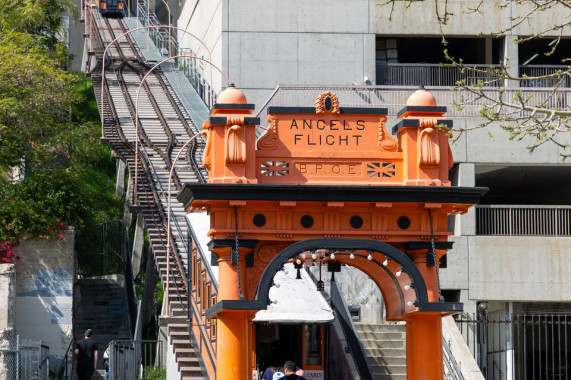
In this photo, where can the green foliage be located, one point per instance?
(69, 174)
(86, 110)
(49, 127)
(40, 207)
(154, 373)
(97, 183)
(97, 169)
(35, 102)
(36, 17)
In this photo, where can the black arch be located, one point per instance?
(386, 249)
(266, 281)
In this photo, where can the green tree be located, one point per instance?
(36, 17)
(48, 127)
(36, 97)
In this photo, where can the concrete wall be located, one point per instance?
(521, 268)
(359, 290)
(44, 287)
(260, 44)
(171, 365)
(420, 18)
(7, 297)
(76, 43)
(208, 22)
(480, 147)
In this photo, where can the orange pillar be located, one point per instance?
(424, 330)
(428, 272)
(232, 345)
(424, 347)
(232, 341)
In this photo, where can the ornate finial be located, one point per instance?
(421, 97)
(327, 102)
(231, 95)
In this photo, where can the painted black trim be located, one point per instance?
(228, 305)
(353, 244)
(250, 243)
(342, 110)
(215, 243)
(444, 307)
(233, 106)
(391, 252)
(222, 120)
(438, 109)
(307, 193)
(428, 245)
(214, 259)
(415, 123)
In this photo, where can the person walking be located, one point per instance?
(87, 354)
(106, 362)
(269, 372)
(290, 371)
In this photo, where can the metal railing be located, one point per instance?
(350, 332)
(24, 360)
(427, 74)
(159, 36)
(451, 368)
(189, 66)
(103, 249)
(394, 98)
(520, 346)
(541, 70)
(416, 74)
(136, 359)
(508, 220)
(192, 70)
(64, 371)
(203, 293)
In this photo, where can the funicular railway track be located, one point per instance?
(164, 126)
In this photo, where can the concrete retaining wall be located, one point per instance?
(44, 292)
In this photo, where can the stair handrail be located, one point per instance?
(205, 335)
(153, 182)
(61, 373)
(154, 35)
(125, 269)
(349, 330)
(160, 191)
(450, 362)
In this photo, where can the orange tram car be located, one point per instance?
(112, 8)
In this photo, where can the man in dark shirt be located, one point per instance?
(86, 353)
(290, 371)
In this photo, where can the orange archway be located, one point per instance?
(331, 179)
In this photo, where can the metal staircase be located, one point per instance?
(164, 126)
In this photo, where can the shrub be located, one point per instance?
(40, 207)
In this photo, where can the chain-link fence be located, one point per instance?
(24, 360)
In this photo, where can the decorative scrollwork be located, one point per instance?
(327, 102)
(270, 139)
(386, 142)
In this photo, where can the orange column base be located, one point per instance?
(424, 347)
(232, 345)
